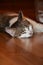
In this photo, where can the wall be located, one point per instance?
(27, 6)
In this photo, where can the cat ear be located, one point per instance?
(20, 16)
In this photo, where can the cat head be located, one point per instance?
(21, 26)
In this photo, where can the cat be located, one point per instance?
(19, 27)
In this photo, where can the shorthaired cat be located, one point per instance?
(19, 26)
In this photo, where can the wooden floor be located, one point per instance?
(21, 51)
